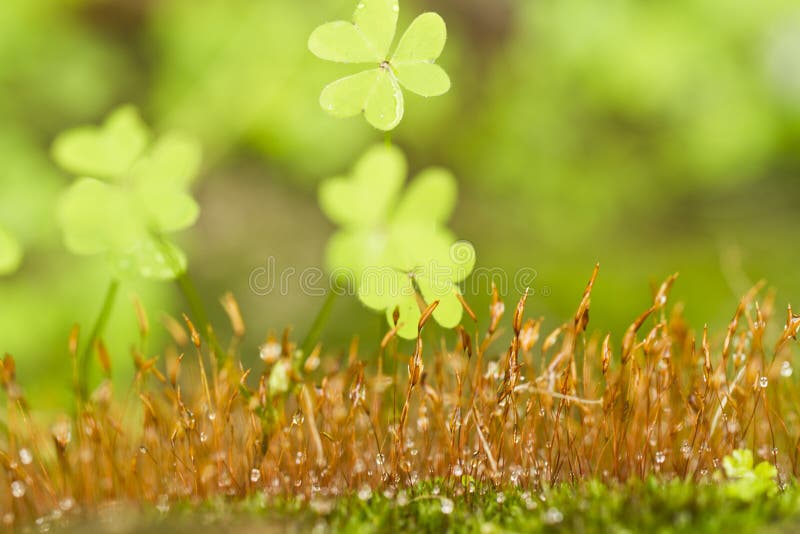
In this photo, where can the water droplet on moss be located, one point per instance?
(18, 489)
(447, 506)
(365, 493)
(25, 456)
(553, 516)
(255, 475)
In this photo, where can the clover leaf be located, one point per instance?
(394, 247)
(747, 483)
(10, 252)
(377, 92)
(106, 152)
(129, 194)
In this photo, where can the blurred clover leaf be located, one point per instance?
(394, 247)
(376, 92)
(748, 483)
(10, 252)
(128, 195)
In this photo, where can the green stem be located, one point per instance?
(198, 312)
(97, 331)
(388, 139)
(196, 307)
(319, 323)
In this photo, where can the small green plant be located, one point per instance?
(747, 483)
(393, 244)
(10, 252)
(367, 40)
(129, 194)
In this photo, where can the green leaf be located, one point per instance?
(414, 244)
(413, 60)
(107, 152)
(425, 79)
(161, 180)
(430, 197)
(377, 21)
(367, 196)
(174, 160)
(149, 257)
(365, 40)
(423, 41)
(96, 217)
(349, 252)
(381, 286)
(409, 315)
(166, 209)
(746, 483)
(459, 261)
(10, 253)
(342, 42)
(375, 92)
(385, 106)
(384, 245)
(765, 471)
(738, 463)
(347, 97)
(438, 287)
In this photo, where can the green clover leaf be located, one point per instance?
(106, 152)
(745, 482)
(395, 248)
(10, 252)
(377, 92)
(128, 196)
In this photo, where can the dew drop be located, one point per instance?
(447, 506)
(18, 489)
(25, 456)
(553, 516)
(501, 498)
(402, 498)
(203, 437)
(163, 504)
(255, 475)
(270, 352)
(763, 381)
(365, 493)
(380, 459)
(458, 470)
(786, 369)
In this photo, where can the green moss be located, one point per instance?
(637, 506)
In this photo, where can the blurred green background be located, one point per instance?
(652, 137)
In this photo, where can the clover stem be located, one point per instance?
(319, 323)
(388, 139)
(97, 331)
(198, 311)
